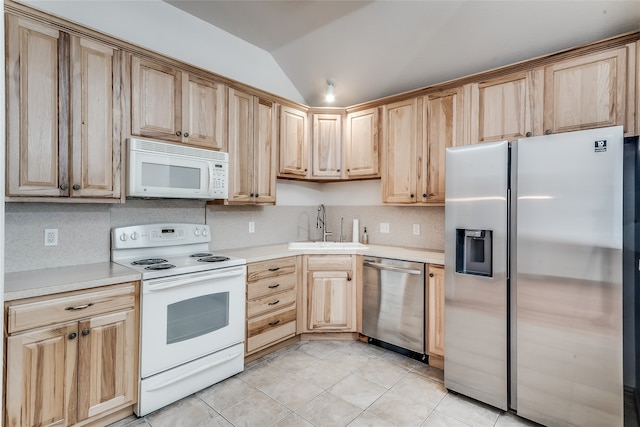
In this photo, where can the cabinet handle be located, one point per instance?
(274, 269)
(86, 332)
(528, 134)
(76, 187)
(178, 133)
(63, 187)
(547, 132)
(430, 274)
(79, 307)
(348, 277)
(274, 323)
(72, 336)
(186, 134)
(274, 303)
(274, 286)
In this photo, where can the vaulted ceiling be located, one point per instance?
(378, 48)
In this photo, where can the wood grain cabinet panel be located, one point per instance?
(362, 154)
(173, 105)
(63, 121)
(253, 128)
(435, 314)
(294, 160)
(327, 146)
(76, 370)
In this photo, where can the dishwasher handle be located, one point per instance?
(389, 267)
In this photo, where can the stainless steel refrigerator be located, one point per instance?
(533, 276)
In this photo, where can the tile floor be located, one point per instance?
(329, 383)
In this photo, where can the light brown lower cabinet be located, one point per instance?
(435, 315)
(76, 367)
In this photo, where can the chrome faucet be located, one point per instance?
(321, 222)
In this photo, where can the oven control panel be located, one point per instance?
(154, 235)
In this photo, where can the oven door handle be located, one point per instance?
(193, 372)
(177, 282)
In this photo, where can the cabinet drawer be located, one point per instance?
(270, 303)
(272, 268)
(68, 308)
(266, 330)
(329, 262)
(270, 285)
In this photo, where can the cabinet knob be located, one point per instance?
(186, 134)
(547, 132)
(178, 133)
(424, 195)
(305, 169)
(63, 187)
(86, 332)
(337, 170)
(348, 170)
(412, 196)
(430, 274)
(72, 336)
(76, 187)
(528, 134)
(252, 195)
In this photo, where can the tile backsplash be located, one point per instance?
(84, 229)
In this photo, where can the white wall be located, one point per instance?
(158, 26)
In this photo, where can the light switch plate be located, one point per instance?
(416, 229)
(384, 227)
(252, 227)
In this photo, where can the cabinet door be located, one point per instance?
(265, 151)
(41, 381)
(586, 92)
(241, 153)
(330, 300)
(204, 113)
(107, 363)
(501, 108)
(327, 146)
(400, 152)
(95, 157)
(361, 145)
(36, 144)
(293, 142)
(443, 129)
(435, 312)
(156, 100)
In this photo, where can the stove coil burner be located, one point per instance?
(159, 267)
(200, 255)
(149, 261)
(214, 259)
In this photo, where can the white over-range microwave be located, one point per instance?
(160, 170)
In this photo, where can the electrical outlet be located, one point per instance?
(384, 227)
(416, 229)
(252, 227)
(51, 237)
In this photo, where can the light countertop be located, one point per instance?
(47, 281)
(263, 253)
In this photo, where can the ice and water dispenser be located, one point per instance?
(474, 251)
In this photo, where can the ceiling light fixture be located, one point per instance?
(330, 97)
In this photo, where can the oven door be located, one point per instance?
(188, 316)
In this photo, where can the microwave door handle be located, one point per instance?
(174, 283)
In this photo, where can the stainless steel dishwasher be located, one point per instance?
(393, 302)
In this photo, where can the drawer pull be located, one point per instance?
(86, 332)
(79, 307)
(274, 323)
(274, 286)
(274, 269)
(72, 336)
(274, 303)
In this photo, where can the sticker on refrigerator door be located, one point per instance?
(600, 146)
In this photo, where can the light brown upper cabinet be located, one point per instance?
(294, 159)
(362, 155)
(326, 146)
(253, 130)
(173, 105)
(589, 91)
(443, 128)
(503, 108)
(401, 154)
(63, 114)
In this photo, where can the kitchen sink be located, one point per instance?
(327, 245)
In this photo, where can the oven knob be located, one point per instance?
(123, 237)
(204, 232)
(196, 232)
(134, 235)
